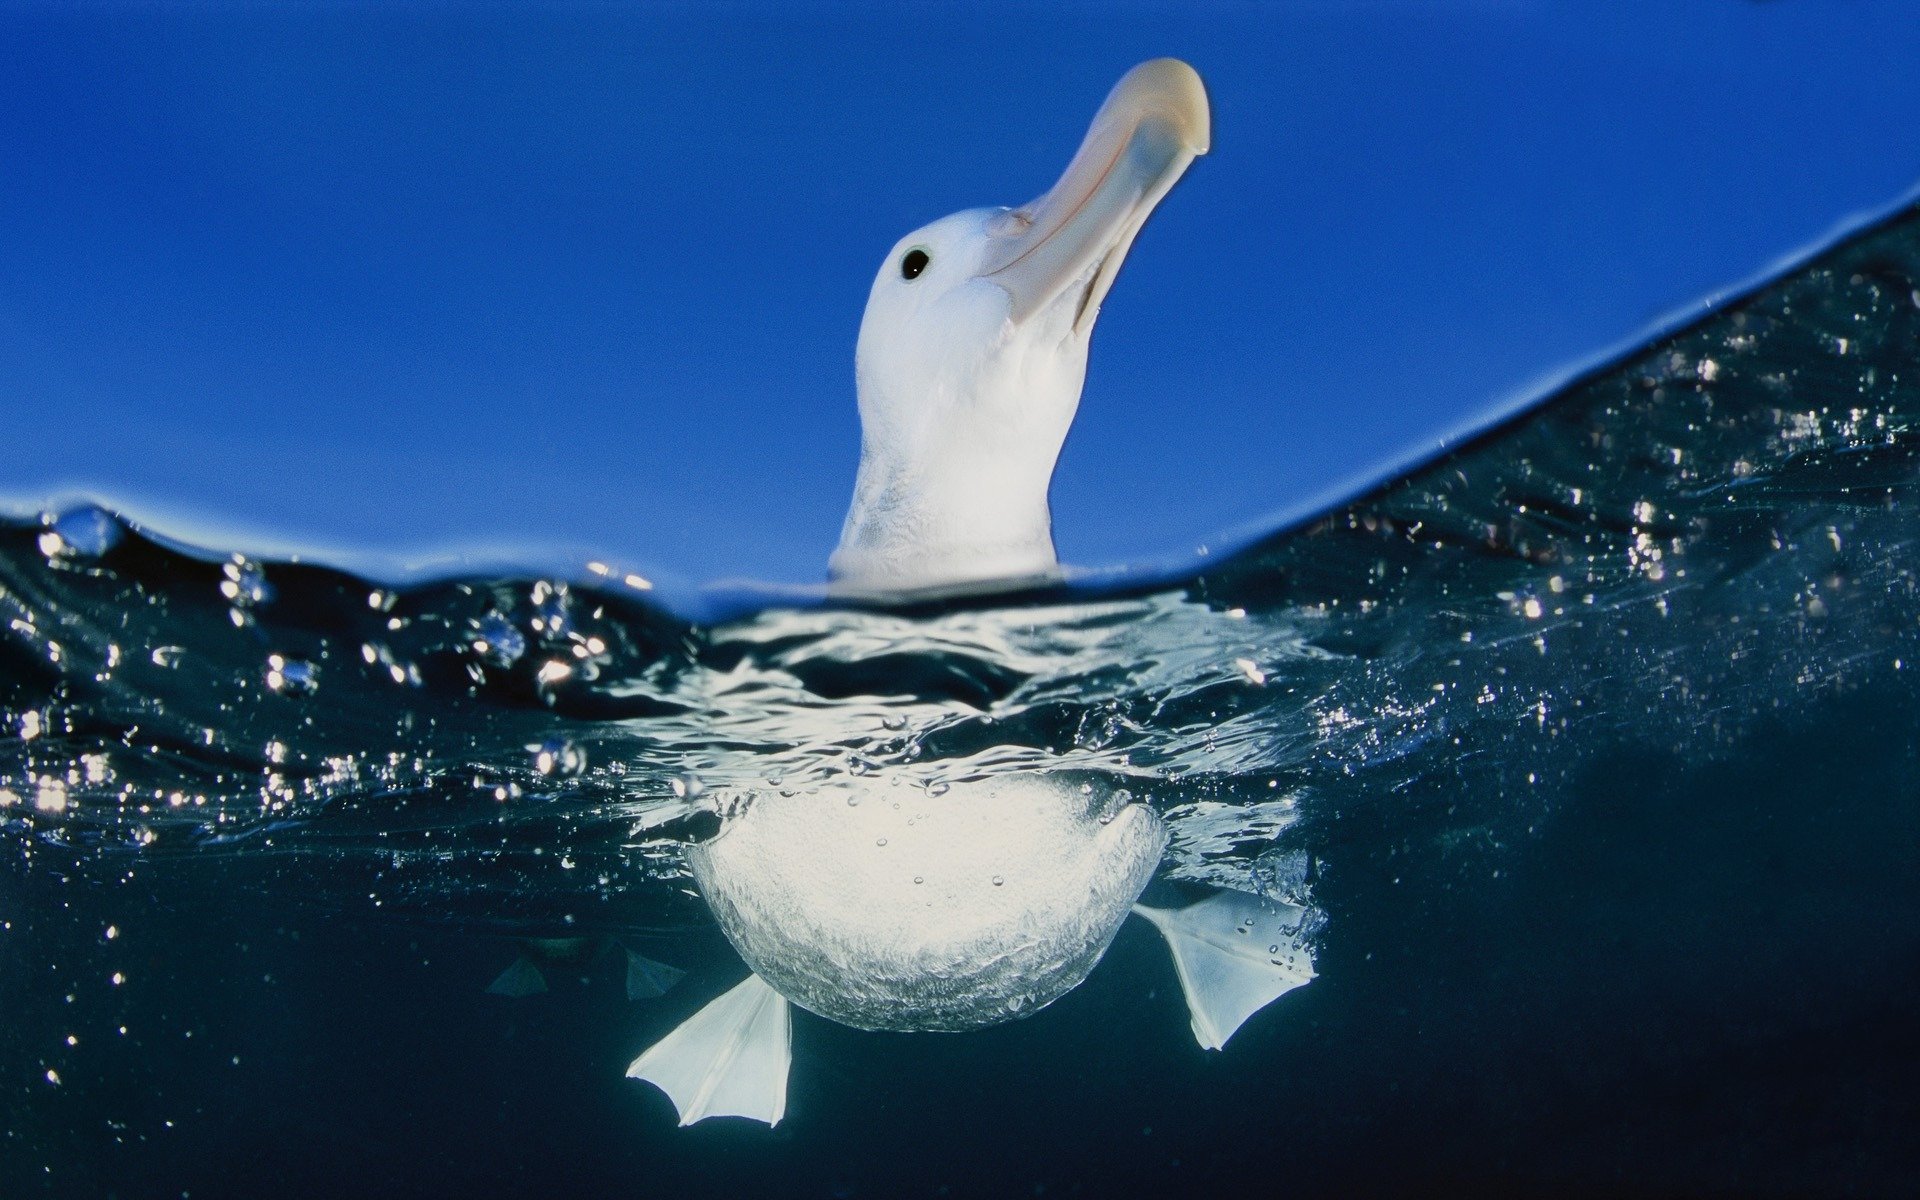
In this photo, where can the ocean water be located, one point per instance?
(1592, 745)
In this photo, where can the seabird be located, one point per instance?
(894, 908)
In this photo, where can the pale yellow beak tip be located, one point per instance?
(1170, 89)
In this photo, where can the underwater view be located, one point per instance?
(1584, 759)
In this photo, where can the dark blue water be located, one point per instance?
(1595, 744)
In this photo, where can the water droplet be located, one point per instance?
(880, 841)
(853, 802)
(245, 585)
(1097, 730)
(998, 880)
(86, 532)
(919, 879)
(937, 788)
(550, 612)
(496, 640)
(559, 757)
(291, 676)
(858, 766)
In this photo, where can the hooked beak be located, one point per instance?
(1154, 123)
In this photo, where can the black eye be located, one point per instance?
(914, 263)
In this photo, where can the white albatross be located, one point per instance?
(973, 352)
(917, 911)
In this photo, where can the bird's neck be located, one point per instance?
(957, 450)
(947, 515)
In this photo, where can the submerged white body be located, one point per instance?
(885, 907)
(889, 908)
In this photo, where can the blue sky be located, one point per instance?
(412, 281)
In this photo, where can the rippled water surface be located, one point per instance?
(1594, 741)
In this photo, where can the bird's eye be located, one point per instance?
(915, 262)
